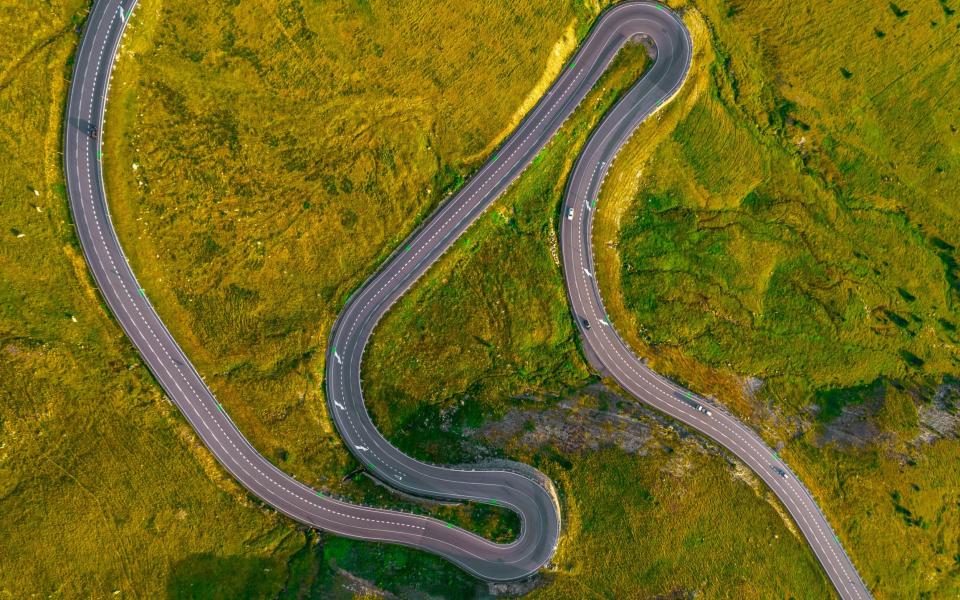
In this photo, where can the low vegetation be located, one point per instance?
(263, 160)
(103, 487)
(250, 264)
(488, 330)
(671, 522)
(790, 248)
(789, 218)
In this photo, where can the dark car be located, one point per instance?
(586, 324)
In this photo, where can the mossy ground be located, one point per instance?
(262, 159)
(249, 221)
(103, 487)
(796, 224)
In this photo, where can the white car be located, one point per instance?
(570, 214)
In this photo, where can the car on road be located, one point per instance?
(570, 214)
(782, 473)
(586, 323)
(706, 411)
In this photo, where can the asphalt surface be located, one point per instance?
(516, 487)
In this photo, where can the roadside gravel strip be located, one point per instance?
(517, 487)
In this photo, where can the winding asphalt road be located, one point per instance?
(608, 353)
(514, 486)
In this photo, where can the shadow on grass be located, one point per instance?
(208, 576)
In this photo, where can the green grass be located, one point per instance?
(243, 218)
(249, 187)
(240, 217)
(899, 513)
(103, 487)
(262, 159)
(489, 329)
(672, 522)
(490, 321)
(798, 224)
(265, 158)
(803, 232)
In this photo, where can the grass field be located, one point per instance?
(802, 228)
(488, 330)
(789, 246)
(103, 488)
(240, 217)
(676, 518)
(489, 323)
(261, 159)
(261, 171)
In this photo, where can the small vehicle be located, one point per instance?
(704, 410)
(783, 474)
(93, 133)
(586, 323)
(570, 214)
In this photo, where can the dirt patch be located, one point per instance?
(939, 418)
(854, 426)
(581, 422)
(592, 418)
(359, 587)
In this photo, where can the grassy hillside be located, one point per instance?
(488, 331)
(789, 246)
(780, 220)
(263, 159)
(258, 171)
(103, 488)
(800, 218)
(671, 522)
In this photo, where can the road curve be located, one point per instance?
(516, 487)
(607, 351)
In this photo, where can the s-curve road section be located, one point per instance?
(516, 487)
(610, 354)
